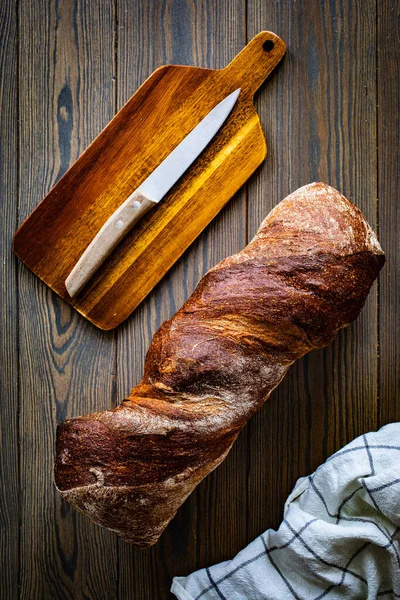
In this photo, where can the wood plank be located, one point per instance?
(319, 114)
(388, 121)
(210, 525)
(66, 366)
(9, 482)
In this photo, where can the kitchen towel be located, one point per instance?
(339, 538)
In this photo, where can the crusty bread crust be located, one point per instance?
(305, 275)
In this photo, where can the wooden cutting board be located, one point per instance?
(169, 104)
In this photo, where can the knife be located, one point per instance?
(148, 194)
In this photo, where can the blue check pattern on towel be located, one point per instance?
(339, 538)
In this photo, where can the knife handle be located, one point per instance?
(112, 232)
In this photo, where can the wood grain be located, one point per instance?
(65, 364)
(53, 238)
(9, 456)
(388, 130)
(319, 115)
(198, 532)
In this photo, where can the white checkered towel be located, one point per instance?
(339, 537)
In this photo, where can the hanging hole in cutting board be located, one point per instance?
(268, 45)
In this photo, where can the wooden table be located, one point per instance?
(330, 112)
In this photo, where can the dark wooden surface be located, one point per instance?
(330, 112)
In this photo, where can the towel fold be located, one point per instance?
(339, 538)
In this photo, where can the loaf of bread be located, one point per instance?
(305, 275)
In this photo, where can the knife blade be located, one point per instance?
(148, 194)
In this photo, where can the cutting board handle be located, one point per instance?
(255, 62)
